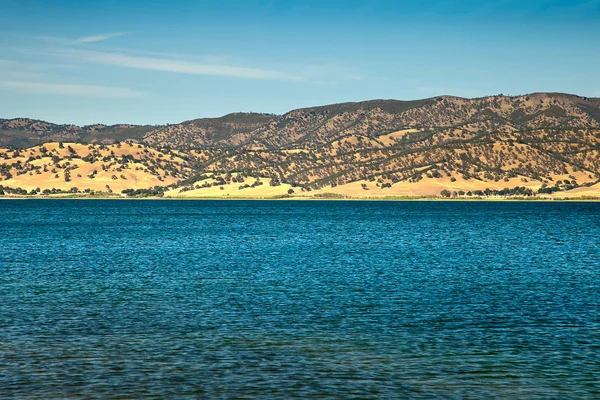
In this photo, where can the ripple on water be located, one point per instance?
(246, 299)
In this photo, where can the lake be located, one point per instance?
(299, 299)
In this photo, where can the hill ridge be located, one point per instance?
(545, 142)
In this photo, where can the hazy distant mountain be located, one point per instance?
(25, 132)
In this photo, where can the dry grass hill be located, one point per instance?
(543, 144)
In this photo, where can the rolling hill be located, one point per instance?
(544, 144)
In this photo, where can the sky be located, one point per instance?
(156, 62)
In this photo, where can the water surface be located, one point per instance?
(283, 299)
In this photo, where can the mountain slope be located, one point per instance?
(25, 132)
(539, 143)
(539, 137)
(209, 131)
(97, 168)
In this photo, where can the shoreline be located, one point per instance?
(423, 198)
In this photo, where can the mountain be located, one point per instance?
(540, 143)
(209, 132)
(25, 132)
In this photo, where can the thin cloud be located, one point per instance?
(69, 89)
(176, 66)
(15, 70)
(98, 38)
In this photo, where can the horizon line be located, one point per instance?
(304, 108)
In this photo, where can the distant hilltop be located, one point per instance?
(536, 144)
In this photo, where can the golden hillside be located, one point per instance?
(539, 144)
(90, 168)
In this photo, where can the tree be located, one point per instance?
(445, 193)
(290, 191)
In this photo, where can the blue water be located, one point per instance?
(284, 299)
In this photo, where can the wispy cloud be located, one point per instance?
(69, 89)
(82, 40)
(175, 66)
(98, 38)
(14, 70)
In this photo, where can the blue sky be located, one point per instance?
(153, 62)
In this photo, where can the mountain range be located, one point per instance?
(536, 144)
